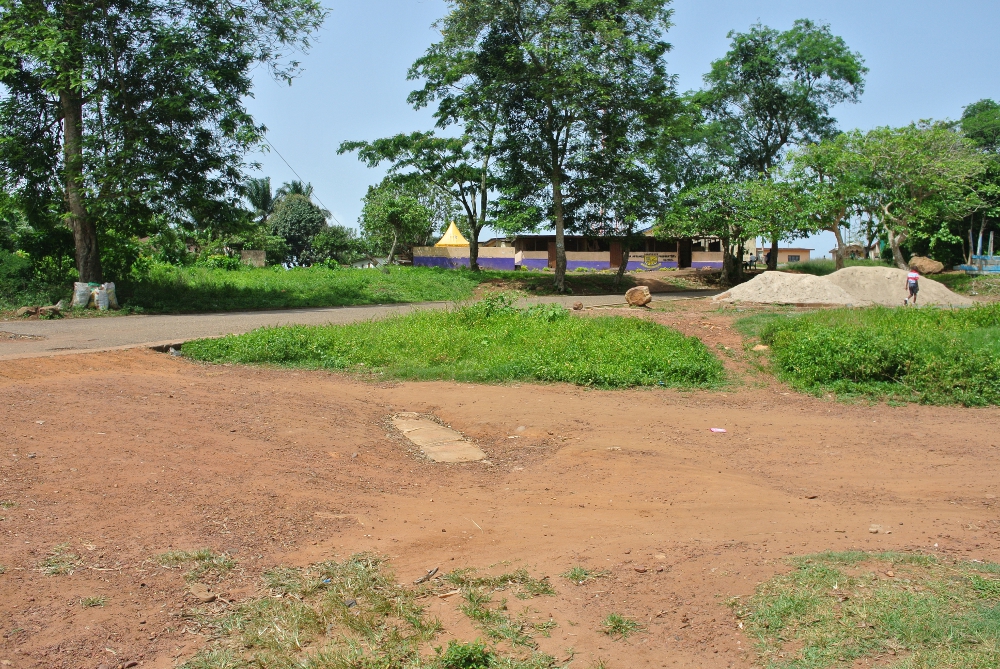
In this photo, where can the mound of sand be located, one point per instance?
(887, 286)
(854, 286)
(782, 288)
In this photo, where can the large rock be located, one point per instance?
(926, 265)
(638, 296)
(26, 311)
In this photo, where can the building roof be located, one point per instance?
(453, 237)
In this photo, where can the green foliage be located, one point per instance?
(466, 656)
(839, 610)
(224, 262)
(92, 602)
(335, 243)
(924, 355)
(395, 217)
(618, 626)
(296, 220)
(484, 343)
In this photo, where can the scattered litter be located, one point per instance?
(426, 577)
(718, 430)
(445, 595)
(351, 603)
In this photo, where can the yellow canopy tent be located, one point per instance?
(453, 237)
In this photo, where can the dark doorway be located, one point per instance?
(616, 255)
(552, 255)
(684, 253)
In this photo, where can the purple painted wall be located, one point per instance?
(455, 263)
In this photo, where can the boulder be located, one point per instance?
(577, 306)
(26, 311)
(926, 265)
(53, 310)
(638, 296)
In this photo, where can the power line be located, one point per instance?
(300, 178)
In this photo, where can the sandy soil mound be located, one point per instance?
(854, 286)
(782, 288)
(887, 286)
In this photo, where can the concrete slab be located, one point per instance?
(437, 442)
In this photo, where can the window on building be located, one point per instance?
(794, 258)
(715, 247)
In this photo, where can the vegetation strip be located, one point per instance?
(932, 356)
(899, 610)
(490, 341)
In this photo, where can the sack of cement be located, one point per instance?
(101, 299)
(81, 295)
(109, 288)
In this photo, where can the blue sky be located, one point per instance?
(927, 60)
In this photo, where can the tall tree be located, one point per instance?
(261, 198)
(554, 66)
(981, 125)
(773, 89)
(297, 220)
(920, 177)
(130, 108)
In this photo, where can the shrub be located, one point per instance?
(220, 261)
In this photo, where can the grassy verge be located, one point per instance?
(893, 610)
(489, 341)
(341, 615)
(823, 266)
(960, 282)
(931, 356)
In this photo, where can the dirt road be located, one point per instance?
(20, 338)
(124, 455)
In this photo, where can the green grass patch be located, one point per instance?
(93, 602)
(341, 615)
(489, 341)
(7, 504)
(824, 266)
(493, 617)
(893, 609)
(932, 356)
(203, 562)
(619, 627)
(61, 561)
(581, 575)
(966, 284)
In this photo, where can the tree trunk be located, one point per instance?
(474, 247)
(623, 265)
(557, 206)
(838, 256)
(772, 262)
(894, 243)
(88, 256)
(392, 250)
(731, 265)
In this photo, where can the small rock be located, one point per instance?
(761, 347)
(811, 496)
(203, 593)
(26, 311)
(890, 574)
(660, 556)
(638, 296)
(577, 306)
(875, 529)
(130, 664)
(640, 569)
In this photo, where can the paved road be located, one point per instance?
(26, 338)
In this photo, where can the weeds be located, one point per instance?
(834, 610)
(7, 504)
(92, 602)
(490, 341)
(618, 626)
(60, 562)
(932, 356)
(205, 563)
(581, 575)
(349, 614)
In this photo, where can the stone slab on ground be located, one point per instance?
(437, 442)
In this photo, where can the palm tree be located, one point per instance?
(258, 194)
(296, 188)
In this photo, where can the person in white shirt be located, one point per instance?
(912, 287)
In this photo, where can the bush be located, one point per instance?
(466, 656)
(224, 262)
(926, 355)
(490, 341)
(297, 220)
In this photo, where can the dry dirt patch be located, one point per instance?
(122, 457)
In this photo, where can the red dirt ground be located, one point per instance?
(126, 455)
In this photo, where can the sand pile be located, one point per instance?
(887, 286)
(854, 286)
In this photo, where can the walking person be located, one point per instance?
(912, 287)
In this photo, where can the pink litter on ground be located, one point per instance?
(718, 429)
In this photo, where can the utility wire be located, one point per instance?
(300, 178)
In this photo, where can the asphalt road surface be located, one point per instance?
(31, 338)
